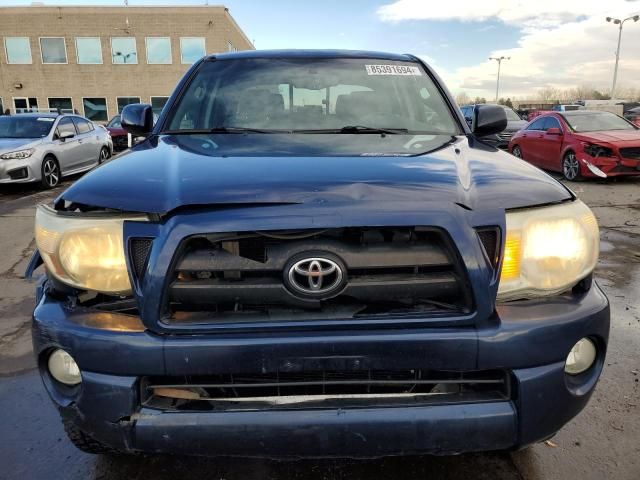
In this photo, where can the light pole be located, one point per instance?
(617, 21)
(499, 60)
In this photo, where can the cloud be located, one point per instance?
(563, 43)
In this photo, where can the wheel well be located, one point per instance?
(567, 152)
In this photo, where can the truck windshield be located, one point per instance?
(25, 127)
(596, 122)
(311, 96)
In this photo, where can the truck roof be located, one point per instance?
(292, 53)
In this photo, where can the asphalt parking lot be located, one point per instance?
(602, 442)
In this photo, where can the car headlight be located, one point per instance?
(548, 250)
(596, 150)
(84, 252)
(18, 154)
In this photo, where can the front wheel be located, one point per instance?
(85, 442)
(516, 152)
(104, 155)
(571, 167)
(50, 174)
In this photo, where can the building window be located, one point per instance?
(123, 50)
(88, 50)
(157, 104)
(124, 101)
(95, 109)
(158, 50)
(192, 49)
(17, 50)
(25, 104)
(53, 50)
(1, 107)
(64, 104)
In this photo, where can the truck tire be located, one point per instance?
(85, 442)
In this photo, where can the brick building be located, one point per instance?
(96, 60)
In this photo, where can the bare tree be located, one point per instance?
(463, 99)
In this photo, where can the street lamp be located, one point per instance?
(499, 60)
(617, 21)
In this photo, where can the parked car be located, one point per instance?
(44, 147)
(580, 143)
(536, 113)
(633, 115)
(567, 108)
(118, 134)
(311, 254)
(499, 140)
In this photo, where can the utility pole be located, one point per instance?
(499, 60)
(619, 22)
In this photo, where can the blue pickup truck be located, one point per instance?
(312, 254)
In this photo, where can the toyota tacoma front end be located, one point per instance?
(312, 255)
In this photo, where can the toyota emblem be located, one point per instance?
(315, 276)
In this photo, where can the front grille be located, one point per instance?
(630, 152)
(371, 271)
(139, 249)
(322, 388)
(505, 136)
(490, 239)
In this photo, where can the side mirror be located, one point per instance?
(554, 131)
(66, 135)
(137, 119)
(488, 120)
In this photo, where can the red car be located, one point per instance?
(580, 143)
(118, 134)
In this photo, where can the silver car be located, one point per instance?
(44, 147)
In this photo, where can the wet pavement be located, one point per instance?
(603, 442)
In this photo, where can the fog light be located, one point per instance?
(581, 357)
(64, 368)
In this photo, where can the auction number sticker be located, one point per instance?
(392, 70)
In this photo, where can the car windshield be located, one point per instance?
(14, 126)
(339, 95)
(511, 115)
(114, 122)
(597, 122)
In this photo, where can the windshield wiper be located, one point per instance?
(356, 129)
(195, 131)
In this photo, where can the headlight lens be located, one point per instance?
(548, 250)
(595, 150)
(86, 253)
(64, 368)
(26, 153)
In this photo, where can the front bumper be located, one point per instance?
(20, 170)
(528, 339)
(608, 166)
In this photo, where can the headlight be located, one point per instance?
(26, 153)
(595, 150)
(548, 250)
(84, 252)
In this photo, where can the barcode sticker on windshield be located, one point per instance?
(392, 70)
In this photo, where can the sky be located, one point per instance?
(551, 43)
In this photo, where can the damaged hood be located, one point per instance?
(165, 173)
(611, 136)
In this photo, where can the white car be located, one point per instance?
(44, 147)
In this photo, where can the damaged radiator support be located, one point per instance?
(322, 389)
